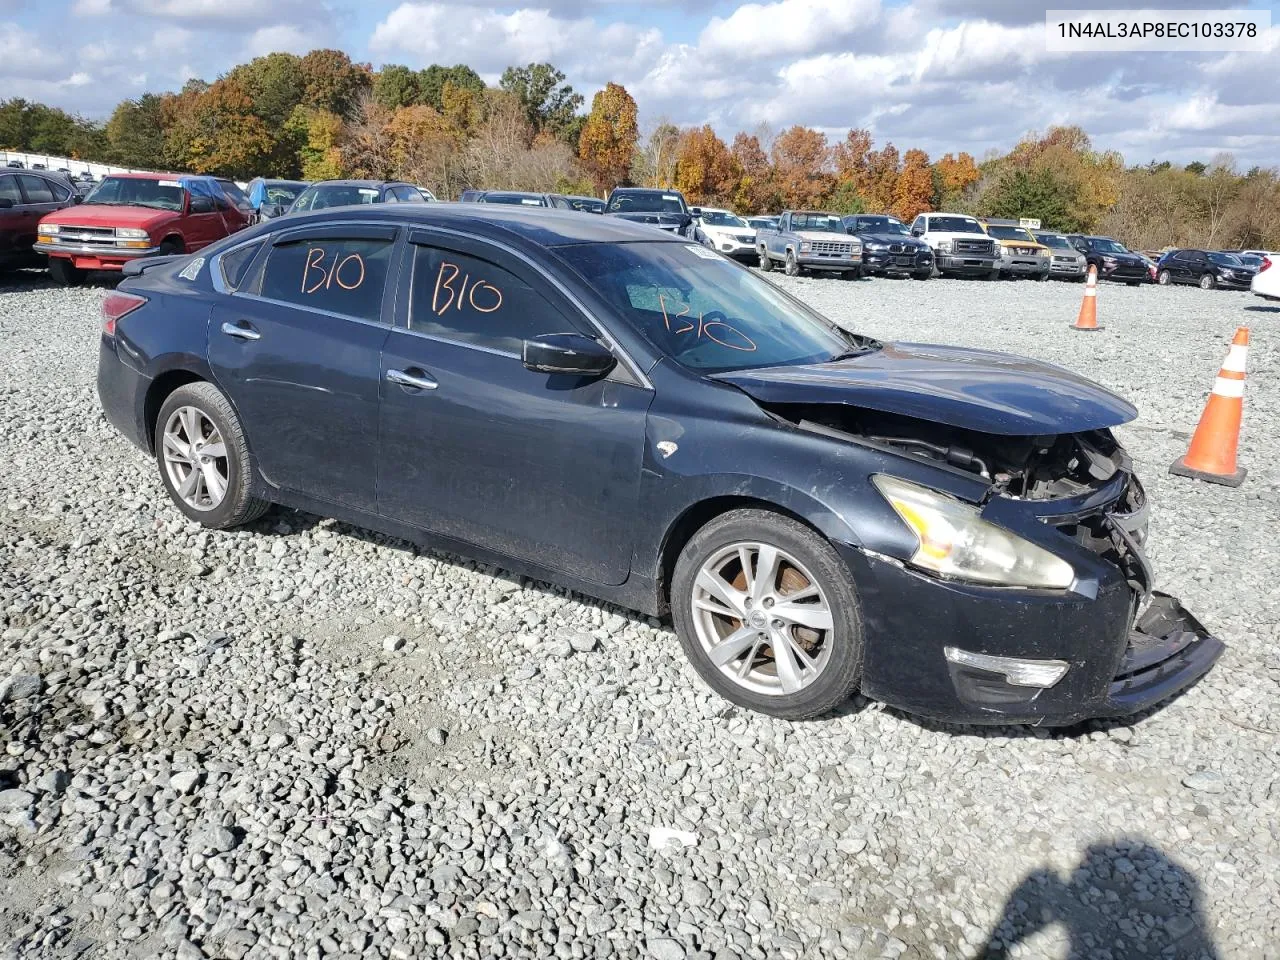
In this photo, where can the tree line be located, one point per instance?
(322, 115)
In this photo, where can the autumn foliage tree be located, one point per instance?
(913, 191)
(607, 144)
(801, 167)
(705, 169)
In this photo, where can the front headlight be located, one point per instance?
(954, 541)
(49, 228)
(133, 233)
(1109, 261)
(805, 246)
(944, 246)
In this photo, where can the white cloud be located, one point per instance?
(91, 8)
(787, 27)
(282, 38)
(78, 79)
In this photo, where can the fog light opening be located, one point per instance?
(1017, 671)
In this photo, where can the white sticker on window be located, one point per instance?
(531, 203)
(702, 252)
(192, 269)
(368, 192)
(670, 196)
(170, 183)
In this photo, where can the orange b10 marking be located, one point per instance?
(703, 328)
(327, 278)
(490, 296)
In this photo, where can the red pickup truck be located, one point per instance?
(132, 215)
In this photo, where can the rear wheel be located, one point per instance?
(1164, 278)
(204, 458)
(765, 263)
(1208, 282)
(792, 268)
(64, 273)
(767, 614)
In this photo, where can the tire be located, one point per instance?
(1208, 281)
(994, 275)
(766, 264)
(170, 248)
(851, 275)
(63, 273)
(792, 268)
(1042, 277)
(834, 665)
(212, 412)
(1164, 278)
(922, 275)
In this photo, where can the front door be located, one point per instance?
(476, 447)
(299, 353)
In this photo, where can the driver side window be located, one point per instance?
(469, 300)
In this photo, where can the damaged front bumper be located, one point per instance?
(962, 652)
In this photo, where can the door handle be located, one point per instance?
(416, 379)
(241, 333)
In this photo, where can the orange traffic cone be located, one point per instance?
(1088, 319)
(1212, 455)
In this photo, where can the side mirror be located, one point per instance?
(567, 353)
(77, 197)
(202, 205)
(271, 210)
(917, 231)
(695, 212)
(6, 203)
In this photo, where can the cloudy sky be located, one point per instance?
(938, 74)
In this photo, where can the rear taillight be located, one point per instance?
(117, 305)
(1266, 264)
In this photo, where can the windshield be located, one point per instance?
(1055, 240)
(283, 193)
(704, 312)
(1225, 259)
(817, 222)
(335, 195)
(954, 225)
(1249, 259)
(1103, 245)
(137, 192)
(721, 218)
(646, 203)
(880, 225)
(1010, 233)
(514, 199)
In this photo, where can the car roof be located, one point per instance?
(513, 193)
(135, 175)
(544, 226)
(645, 190)
(356, 183)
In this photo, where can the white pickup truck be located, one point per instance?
(959, 244)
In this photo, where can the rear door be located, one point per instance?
(17, 223)
(202, 229)
(477, 447)
(299, 351)
(39, 197)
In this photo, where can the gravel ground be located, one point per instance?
(306, 740)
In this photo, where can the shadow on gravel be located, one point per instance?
(1260, 309)
(1123, 899)
(23, 281)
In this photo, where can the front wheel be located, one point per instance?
(922, 275)
(1042, 277)
(1208, 282)
(204, 458)
(792, 268)
(64, 273)
(1164, 278)
(994, 274)
(767, 614)
(765, 263)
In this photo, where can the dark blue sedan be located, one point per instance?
(588, 401)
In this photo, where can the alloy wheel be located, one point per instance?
(195, 458)
(763, 620)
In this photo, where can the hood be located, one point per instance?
(825, 236)
(667, 221)
(102, 215)
(891, 238)
(1130, 258)
(972, 389)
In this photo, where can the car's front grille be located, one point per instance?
(832, 248)
(1025, 251)
(1116, 532)
(1058, 259)
(973, 246)
(86, 235)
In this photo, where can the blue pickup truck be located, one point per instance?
(810, 240)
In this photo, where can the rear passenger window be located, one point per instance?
(471, 300)
(37, 189)
(235, 264)
(345, 276)
(9, 189)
